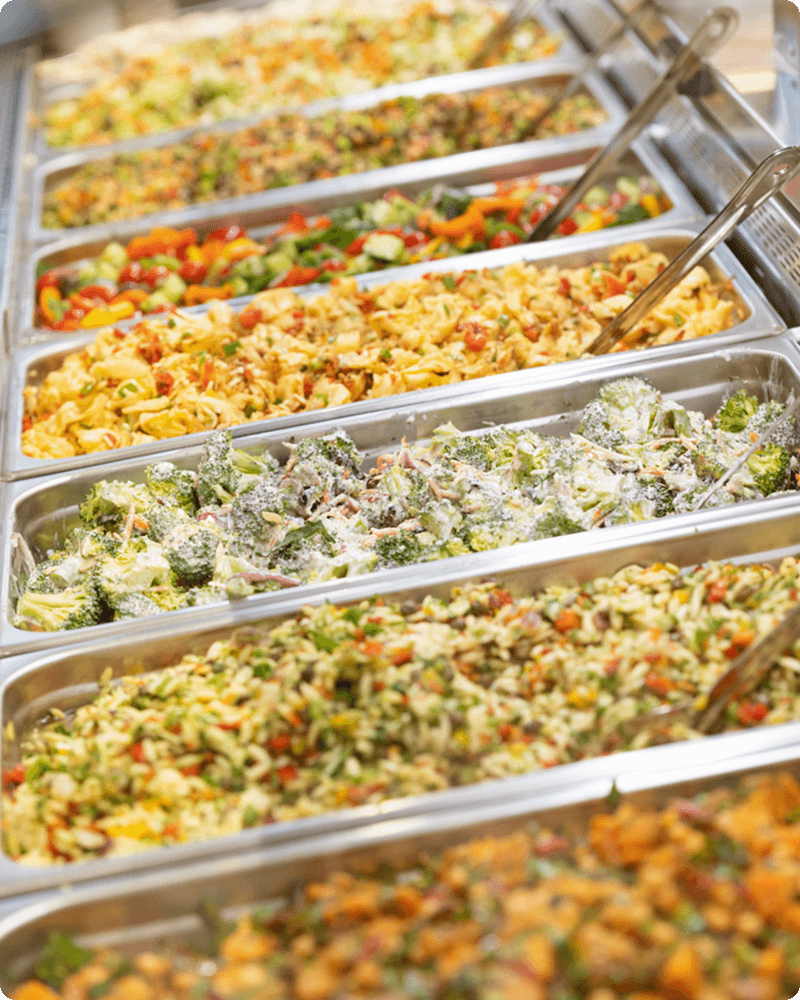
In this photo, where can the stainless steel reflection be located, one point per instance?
(144, 908)
(553, 152)
(29, 365)
(44, 512)
(643, 160)
(46, 95)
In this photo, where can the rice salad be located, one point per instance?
(287, 354)
(344, 706)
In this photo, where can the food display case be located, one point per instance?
(697, 152)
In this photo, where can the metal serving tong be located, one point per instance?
(745, 674)
(521, 11)
(768, 177)
(594, 60)
(713, 32)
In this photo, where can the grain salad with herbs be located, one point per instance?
(293, 148)
(694, 899)
(266, 62)
(284, 353)
(242, 524)
(342, 706)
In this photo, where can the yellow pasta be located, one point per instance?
(285, 354)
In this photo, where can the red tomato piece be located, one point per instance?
(193, 271)
(504, 238)
(475, 338)
(156, 275)
(133, 273)
(334, 265)
(226, 234)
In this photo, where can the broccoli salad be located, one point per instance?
(243, 524)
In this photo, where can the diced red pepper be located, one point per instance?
(225, 234)
(50, 279)
(334, 265)
(475, 337)
(164, 383)
(156, 275)
(286, 773)
(279, 743)
(133, 273)
(717, 591)
(751, 712)
(102, 292)
(296, 223)
(613, 285)
(137, 752)
(250, 317)
(354, 249)
(299, 276)
(206, 373)
(567, 227)
(14, 775)
(504, 238)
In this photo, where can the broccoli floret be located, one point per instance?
(736, 412)
(190, 551)
(641, 499)
(210, 593)
(769, 467)
(687, 500)
(629, 413)
(768, 413)
(255, 465)
(399, 550)
(107, 504)
(135, 605)
(93, 544)
(163, 518)
(556, 522)
(406, 487)
(658, 493)
(217, 477)
(336, 448)
(248, 509)
(323, 466)
(171, 485)
(711, 457)
(59, 571)
(138, 565)
(73, 607)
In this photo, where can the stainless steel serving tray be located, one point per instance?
(30, 685)
(47, 94)
(45, 511)
(143, 909)
(556, 152)
(31, 364)
(642, 160)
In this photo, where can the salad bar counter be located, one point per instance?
(362, 630)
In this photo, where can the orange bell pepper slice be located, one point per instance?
(134, 295)
(196, 295)
(161, 239)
